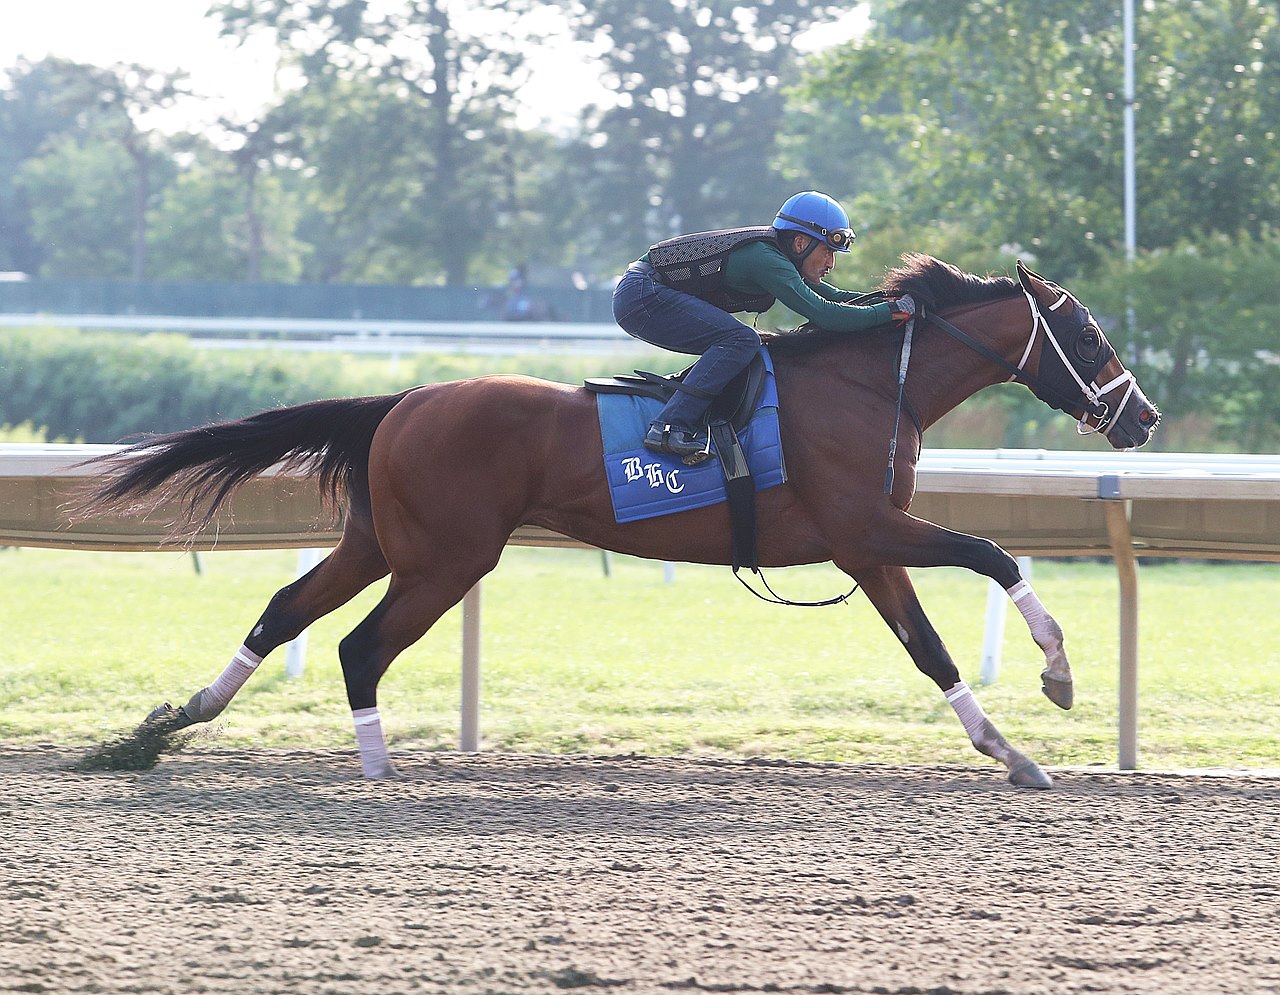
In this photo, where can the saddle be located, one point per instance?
(735, 404)
(729, 413)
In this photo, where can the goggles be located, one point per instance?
(836, 238)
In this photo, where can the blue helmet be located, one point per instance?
(818, 215)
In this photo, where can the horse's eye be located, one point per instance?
(1088, 345)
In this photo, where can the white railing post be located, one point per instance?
(1122, 550)
(295, 653)
(469, 735)
(993, 633)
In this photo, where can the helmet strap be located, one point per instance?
(789, 246)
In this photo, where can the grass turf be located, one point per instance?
(574, 662)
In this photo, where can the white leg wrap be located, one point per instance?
(206, 703)
(985, 737)
(374, 761)
(972, 717)
(1044, 630)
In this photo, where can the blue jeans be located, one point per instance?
(652, 312)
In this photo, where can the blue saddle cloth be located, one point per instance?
(645, 484)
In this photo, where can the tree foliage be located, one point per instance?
(1028, 151)
(1207, 314)
(402, 120)
(81, 194)
(976, 131)
(698, 101)
(54, 103)
(36, 106)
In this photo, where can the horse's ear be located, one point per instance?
(1030, 279)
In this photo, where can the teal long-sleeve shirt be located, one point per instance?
(760, 267)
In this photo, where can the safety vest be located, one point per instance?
(695, 264)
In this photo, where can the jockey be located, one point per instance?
(682, 293)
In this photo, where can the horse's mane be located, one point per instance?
(933, 284)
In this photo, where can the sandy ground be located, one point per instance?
(263, 871)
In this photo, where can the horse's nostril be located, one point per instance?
(1146, 416)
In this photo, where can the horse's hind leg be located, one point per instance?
(412, 604)
(353, 565)
(891, 591)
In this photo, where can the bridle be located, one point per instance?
(1054, 386)
(1055, 381)
(1091, 392)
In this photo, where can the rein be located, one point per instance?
(1091, 394)
(775, 599)
(1037, 384)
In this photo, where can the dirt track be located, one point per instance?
(257, 872)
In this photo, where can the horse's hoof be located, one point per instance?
(384, 773)
(1061, 693)
(167, 717)
(1029, 775)
(161, 715)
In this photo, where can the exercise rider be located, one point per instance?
(682, 294)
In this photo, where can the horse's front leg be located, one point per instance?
(913, 542)
(891, 591)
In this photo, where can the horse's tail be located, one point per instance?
(201, 467)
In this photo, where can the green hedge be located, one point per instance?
(66, 385)
(103, 388)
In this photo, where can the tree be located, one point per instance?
(1029, 150)
(213, 223)
(403, 118)
(260, 147)
(81, 194)
(125, 96)
(1206, 340)
(40, 103)
(65, 108)
(698, 90)
(32, 111)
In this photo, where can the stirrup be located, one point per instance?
(678, 442)
(701, 456)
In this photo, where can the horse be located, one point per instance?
(433, 480)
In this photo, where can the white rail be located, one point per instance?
(1033, 502)
(369, 335)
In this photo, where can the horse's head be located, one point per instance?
(1084, 375)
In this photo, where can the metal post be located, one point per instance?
(1130, 155)
(1118, 513)
(469, 737)
(295, 653)
(1130, 168)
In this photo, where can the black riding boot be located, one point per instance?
(680, 442)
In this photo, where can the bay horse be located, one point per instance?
(435, 479)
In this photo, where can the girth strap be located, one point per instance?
(740, 489)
